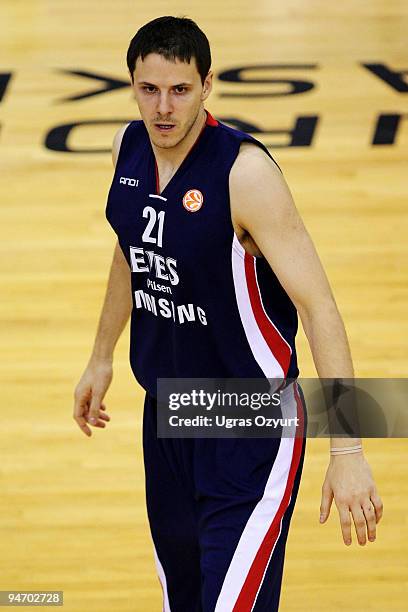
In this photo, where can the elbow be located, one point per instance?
(317, 309)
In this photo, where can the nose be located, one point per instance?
(164, 104)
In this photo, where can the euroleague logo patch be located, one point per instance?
(193, 200)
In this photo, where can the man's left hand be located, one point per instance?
(350, 483)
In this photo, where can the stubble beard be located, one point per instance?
(164, 145)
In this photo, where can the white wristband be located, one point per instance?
(345, 450)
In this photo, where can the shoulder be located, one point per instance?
(258, 189)
(255, 173)
(117, 141)
(253, 163)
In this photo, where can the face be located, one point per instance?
(170, 96)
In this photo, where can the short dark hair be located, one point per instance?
(173, 38)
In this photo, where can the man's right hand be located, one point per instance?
(89, 393)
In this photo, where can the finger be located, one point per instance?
(103, 407)
(369, 513)
(378, 506)
(359, 523)
(345, 523)
(325, 504)
(80, 410)
(94, 408)
(102, 416)
(83, 426)
(97, 423)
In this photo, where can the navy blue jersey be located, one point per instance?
(202, 306)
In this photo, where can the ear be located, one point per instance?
(207, 86)
(130, 77)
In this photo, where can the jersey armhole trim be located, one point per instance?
(260, 145)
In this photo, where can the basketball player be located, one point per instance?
(213, 263)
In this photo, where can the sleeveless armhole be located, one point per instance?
(251, 139)
(244, 137)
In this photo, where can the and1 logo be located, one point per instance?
(129, 181)
(193, 200)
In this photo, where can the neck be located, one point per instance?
(175, 155)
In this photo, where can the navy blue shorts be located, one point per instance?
(219, 513)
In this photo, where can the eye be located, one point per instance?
(149, 88)
(180, 89)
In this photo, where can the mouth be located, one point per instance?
(164, 127)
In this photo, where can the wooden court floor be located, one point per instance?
(72, 513)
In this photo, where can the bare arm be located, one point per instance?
(115, 313)
(116, 308)
(263, 209)
(118, 298)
